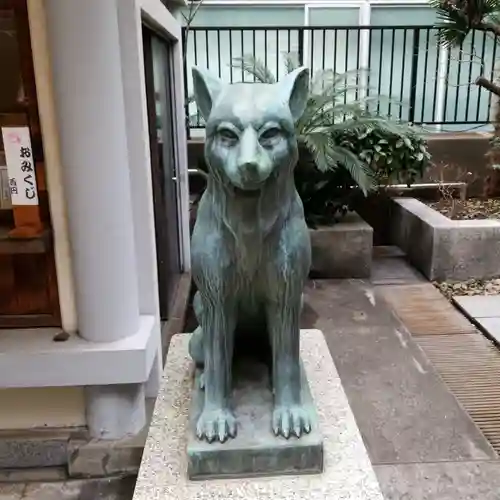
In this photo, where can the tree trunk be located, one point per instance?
(492, 181)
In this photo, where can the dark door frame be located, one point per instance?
(165, 227)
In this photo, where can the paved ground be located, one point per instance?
(101, 489)
(423, 444)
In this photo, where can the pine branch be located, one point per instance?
(495, 28)
(483, 82)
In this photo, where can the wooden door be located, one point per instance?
(28, 286)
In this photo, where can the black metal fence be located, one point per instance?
(430, 85)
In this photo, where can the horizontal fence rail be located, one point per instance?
(419, 81)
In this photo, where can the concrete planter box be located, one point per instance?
(445, 249)
(343, 250)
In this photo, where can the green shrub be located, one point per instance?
(345, 148)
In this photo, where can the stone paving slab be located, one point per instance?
(492, 326)
(440, 481)
(394, 271)
(479, 306)
(337, 303)
(404, 410)
(348, 474)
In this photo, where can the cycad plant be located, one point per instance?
(350, 149)
(336, 110)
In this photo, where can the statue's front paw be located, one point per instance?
(216, 425)
(291, 420)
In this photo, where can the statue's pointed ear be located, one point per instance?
(294, 90)
(206, 88)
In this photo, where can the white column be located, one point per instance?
(88, 89)
(85, 54)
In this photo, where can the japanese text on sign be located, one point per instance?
(20, 165)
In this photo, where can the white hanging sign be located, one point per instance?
(20, 165)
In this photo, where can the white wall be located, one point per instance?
(47, 407)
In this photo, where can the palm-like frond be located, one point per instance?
(458, 17)
(333, 113)
(329, 156)
(254, 67)
(291, 61)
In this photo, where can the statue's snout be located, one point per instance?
(252, 164)
(249, 172)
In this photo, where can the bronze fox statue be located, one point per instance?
(251, 251)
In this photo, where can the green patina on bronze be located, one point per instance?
(251, 251)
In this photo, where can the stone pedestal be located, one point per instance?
(347, 473)
(255, 451)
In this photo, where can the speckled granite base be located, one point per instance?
(348, 474)
(255, 451)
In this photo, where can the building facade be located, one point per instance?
(92, 95)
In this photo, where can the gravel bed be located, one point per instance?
(473, 208)
(470, 287)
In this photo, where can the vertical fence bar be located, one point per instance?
(265, 47)
(346, 61)
(324, 50)
(426, 62)
(219, 54)
(231, 77)
(242, 41)
(480, 93)
(301, 46)
(403, 67)
(369, 76)
(207, 57)
(413, 75)
(380, 59)
(277, 55)
(312, 50)
(253, 53)
(391, 71)
(467, 99)
(289, 40)
(436, 82)
(358, 58)
(185, 77)
(335, 38)
(457, 95)
(195, 47)
(447, 87)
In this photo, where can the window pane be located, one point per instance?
(215, 49)
(394, 52)
(334, 49)
(260, 15)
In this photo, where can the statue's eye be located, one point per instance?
(227, 135)
(270, 133)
